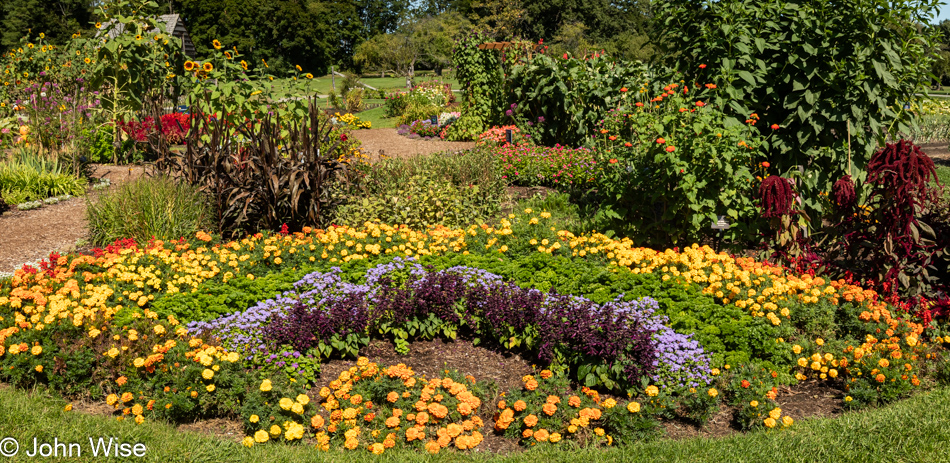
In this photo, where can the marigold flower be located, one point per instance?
(713, 392)
(652, 391)
(266, 386)
(769, 422)
(521, 406)
(633, 407)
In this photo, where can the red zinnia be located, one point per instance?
(670, 149)
(766, 164)
(702, 66)
(628, 144)
(660, 140)
(700, 104)
(612, 161)
(612, 137)
(638, 104)
(623, 89)
(745, 384)
(774, 126)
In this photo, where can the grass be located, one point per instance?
(910, 430)
(323, 85)
(943, 174)
(377, 116)
(158, 207)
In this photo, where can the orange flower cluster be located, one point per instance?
(437, 411)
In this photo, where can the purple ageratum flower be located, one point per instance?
(508, 113)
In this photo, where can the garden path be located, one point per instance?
(394, 145)
(29, 236)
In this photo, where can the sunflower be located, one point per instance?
(42, 35)
(29, 45)
(208, 67)
(77, 52)
(87, 60)
(309, 75)
(227, 54)
(157, 38)
(244, 64)
(190, 65)
(216, 43)
(265, 63)
(98, 25)
(138, 37)
(299, 68)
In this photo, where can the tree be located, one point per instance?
(293, 33)
(56, 19)
(434, 37)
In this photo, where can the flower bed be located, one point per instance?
(86, 325)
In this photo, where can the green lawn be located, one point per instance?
(323, 85)
(909, 431)
(943, 174)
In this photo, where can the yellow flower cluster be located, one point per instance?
(353, 121)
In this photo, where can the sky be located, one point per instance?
(944, 12)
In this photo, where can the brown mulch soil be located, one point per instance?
(940, 152)
(386, 142)
(30, 236)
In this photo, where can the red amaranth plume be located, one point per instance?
(777, 196)
(843, 193)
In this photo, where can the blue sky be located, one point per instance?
(944, 12)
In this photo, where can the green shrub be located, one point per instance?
(354, 100)
(784, 61)
(448, 189)
(419, 203)
(417, 110)
(672, 164)
(150, 207)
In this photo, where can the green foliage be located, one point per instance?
(133, 63)
(481, 80)
(213, 299)
(418, 110)
(30, 176)
(150, 207)
(420, 203)
(673, 164)
(452, 190)
(785, 62)
(32, 17)
(564, 99)
(354, 100)
(97, 143)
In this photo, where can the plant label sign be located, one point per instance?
(720, 223)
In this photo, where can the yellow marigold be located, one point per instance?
(769, 422)
(754, 403)
(207, 374)
(883, 363)
(787, 421)
(652, 391)
(255, 418)
(37, 350)
(433, 447)
(713, 392)
(775, 413)
(286, 403)
(554, 437)
(610, 403)
(266, 386)
(633, 407)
